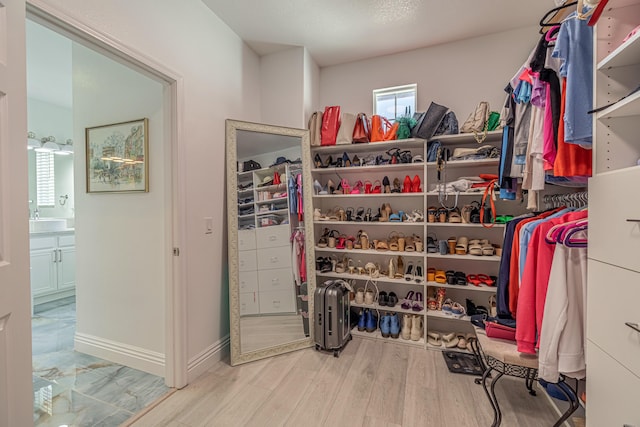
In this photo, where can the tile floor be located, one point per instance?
(76, 389)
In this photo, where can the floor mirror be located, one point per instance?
(268, 187)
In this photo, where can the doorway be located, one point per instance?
(116, 304)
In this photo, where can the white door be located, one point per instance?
(16, 394)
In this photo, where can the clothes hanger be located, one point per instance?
(555, 16)
(571, 242)
(556, 230)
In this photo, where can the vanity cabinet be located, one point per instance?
(53, 265)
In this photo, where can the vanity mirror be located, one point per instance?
(267, 186)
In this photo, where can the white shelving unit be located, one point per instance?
(406, 202)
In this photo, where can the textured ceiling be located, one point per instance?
(338, 31)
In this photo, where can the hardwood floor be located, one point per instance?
(258, 332)
(370, 384)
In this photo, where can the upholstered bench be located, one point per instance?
(503, 358)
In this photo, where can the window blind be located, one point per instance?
(45, 179)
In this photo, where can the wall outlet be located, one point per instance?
(208, 225)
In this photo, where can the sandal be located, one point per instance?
(410, 245)
(433, 338)
(364, 239)
(432, 246)
(447, 306)
(431, 214)
(380, 245)
(323, 242)
(450, 340)
(487, 249)
(473, 279)
(487, 280)
(418, 303)
(462, 341)
(475, 248)
(461, 278)
(431, 274)
(440, 277)
(458, 310)
(417, 241)
(407, 302)
(393, 241)
(450, 277)
(461, 246)
(452, 245)
(454, 216)
(442, 215)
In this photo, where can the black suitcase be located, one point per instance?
(332, 325)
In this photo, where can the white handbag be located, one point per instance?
(345, 133)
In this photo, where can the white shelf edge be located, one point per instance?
(279, 211)
(381, 279)
(368, 223)
(468, 163)
(493, 258)
(461, 138)
(488, 289)
(326, 196)
(410, 166)
(620, 56)
(370, 146)
(396, 309)
(376, 335)
(623, 108)
(266, 202)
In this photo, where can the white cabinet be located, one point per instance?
(53, 265)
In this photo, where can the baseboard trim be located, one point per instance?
(204, 360)
(135, 357)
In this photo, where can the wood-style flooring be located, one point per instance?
(258, 332)
(370, 384)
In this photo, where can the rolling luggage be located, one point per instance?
(332, 325)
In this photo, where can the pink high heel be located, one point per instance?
(356, 188)
(346, 188)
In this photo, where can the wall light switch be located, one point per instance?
(208, 225)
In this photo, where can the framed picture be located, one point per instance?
(117, 157)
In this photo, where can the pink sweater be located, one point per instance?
(535, 280)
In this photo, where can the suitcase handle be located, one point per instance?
(329, 324)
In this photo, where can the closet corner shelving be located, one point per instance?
(407, 202)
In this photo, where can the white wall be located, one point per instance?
(282, 88)
(46, 119)
(311, 86)
(221, 80)
(458, 75)
(120, 246)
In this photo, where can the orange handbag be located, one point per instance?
(382, 129)
(362, 129)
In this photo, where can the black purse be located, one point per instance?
(250, 165)
(429, 121)
(448, 125)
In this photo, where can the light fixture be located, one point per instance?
(48, 145)
(66, 148)
(32, 141)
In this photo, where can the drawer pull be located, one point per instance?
(633, 220)
(633, 326)
(274, 259)
(272, 238)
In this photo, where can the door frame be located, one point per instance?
(176, 358)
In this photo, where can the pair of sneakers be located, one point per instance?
(390, 325)
(368, 321)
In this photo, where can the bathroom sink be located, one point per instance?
(47, 224)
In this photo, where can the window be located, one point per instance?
(392, 102)
(45, 179)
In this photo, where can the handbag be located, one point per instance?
(361, 130)
(448, 125)
(497, 330)
(428, 122)
(494, 121)
(477, 121)
(315, 126)
(330, 125)
(345, 133)
(406, 123)
(382, 129)
(432, 151)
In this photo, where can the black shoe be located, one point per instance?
(392, 299)
(382, 298)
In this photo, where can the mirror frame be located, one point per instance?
(231, 127)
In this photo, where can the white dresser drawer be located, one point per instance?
(277, 302)
(67, 240)
(274, 257)
(246, 240)
(613, 296)
(249, 303)
(612, 238)
(247, 260)
(248, 281)
(43, 242)
(280, 279)
(612, 391)
(271, 237)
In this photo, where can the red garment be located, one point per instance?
(514, 262)
(571, 159)
(535, 280)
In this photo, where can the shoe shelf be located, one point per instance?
(625, 54)
(630, 106)
(441, 315)
(467, 163)
(380, 279)
(245, 205)
(396, 309)
(377, 335)
(380, 146)
(374, 252)
(366, 224)
(268, 202)
(461, 224)
(493, 258)
(279, 211)
(246, 191)
(484, 288)
(247, 216)
(459, 193)
(402, 167)
(366, 196)
(466, 138)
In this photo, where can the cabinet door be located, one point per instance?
(277, 302)
(66, 268)
(43, 273)
(249, 303)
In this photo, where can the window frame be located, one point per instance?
(396, 90)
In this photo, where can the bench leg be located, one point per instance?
(491, 395)
(571, 398)
(531, 375)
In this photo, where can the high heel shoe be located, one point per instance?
(318, 188)
(346, 161)
(346, 188)
(384, 214)
(355, 161)
(356, 188)
(367, 187)
(328, 162)
(317, 161)
(386, 184)
(406, 188)
(331, 187)
(367, 216)
(415, 185)
(396, 186)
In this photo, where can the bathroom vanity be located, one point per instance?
(53, 264)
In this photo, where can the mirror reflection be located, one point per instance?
(271, 291)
